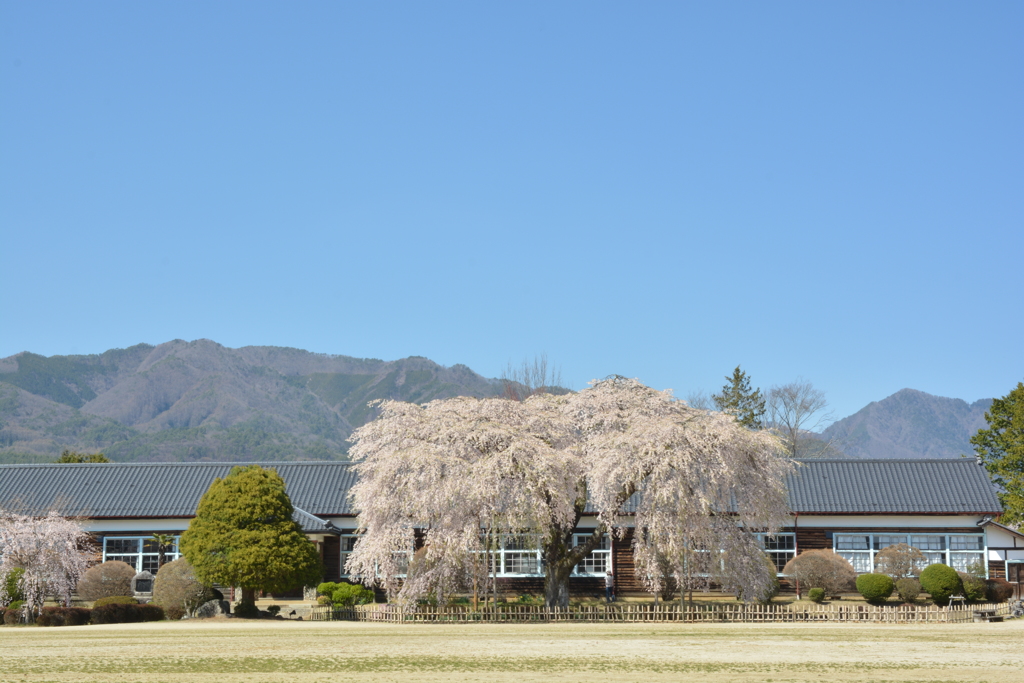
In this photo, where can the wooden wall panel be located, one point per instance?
(331, 554)
(623, 566)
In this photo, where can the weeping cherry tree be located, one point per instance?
(52, 551)
(695, 485)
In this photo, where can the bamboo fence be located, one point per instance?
(686, 613)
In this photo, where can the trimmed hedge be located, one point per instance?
(816, 595)
(64, 616)
(115, 600)
(876, 588)
(116, 613)
(941, 581)
(998, 590)
(12, 616)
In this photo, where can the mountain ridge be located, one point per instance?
(202, 401)
(910, 424)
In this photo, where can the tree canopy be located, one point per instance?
(795, 412)
(243, 535)
(1001, 449)
(739, 400)
(458, 467)
(75, 457)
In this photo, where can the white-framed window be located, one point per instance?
(348, 544)
(856, 548)
(513, 554)
(959, 551)
(780, 548)
(598, 561)
(965, 551)
(140, 552)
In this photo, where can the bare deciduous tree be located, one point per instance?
(700, 400)
(106, 580)
(821, 569)
(177, 589)
(797, 410)
(536, 377)
(900, 561)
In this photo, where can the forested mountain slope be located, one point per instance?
(203, 401)
(910, 424)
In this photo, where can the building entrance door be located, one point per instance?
(1015, 575)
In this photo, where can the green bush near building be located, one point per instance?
(941, 582)
(876, 588)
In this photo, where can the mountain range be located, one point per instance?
(910, 424)
(198, 400)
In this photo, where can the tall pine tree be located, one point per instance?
(243, 535)
(1001, 449)
(742, 402)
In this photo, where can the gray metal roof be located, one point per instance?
(133, 490)
(312, 524)
(319, 489)
(950, 485)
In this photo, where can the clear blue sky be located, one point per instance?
(658, 190)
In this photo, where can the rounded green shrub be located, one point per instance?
(974, 586)
(908, 589)
(247, 610)
(115, 600)
(327, 588)
(348, 594)
(941, 581)
(816, 595)
(875, 588)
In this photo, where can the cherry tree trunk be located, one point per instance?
(556, 584)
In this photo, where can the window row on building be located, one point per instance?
(959, 551)
(138, 551)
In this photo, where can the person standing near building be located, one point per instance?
(609, 586)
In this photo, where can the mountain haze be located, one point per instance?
(203, 401)
(910, 424)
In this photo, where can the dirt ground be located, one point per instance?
(228, 651)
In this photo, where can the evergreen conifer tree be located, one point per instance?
(1001, 449)
(243, 535)
(739, 400)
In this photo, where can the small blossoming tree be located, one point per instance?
(52, 551)
(694, 484)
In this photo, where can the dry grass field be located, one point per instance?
(227, 650)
